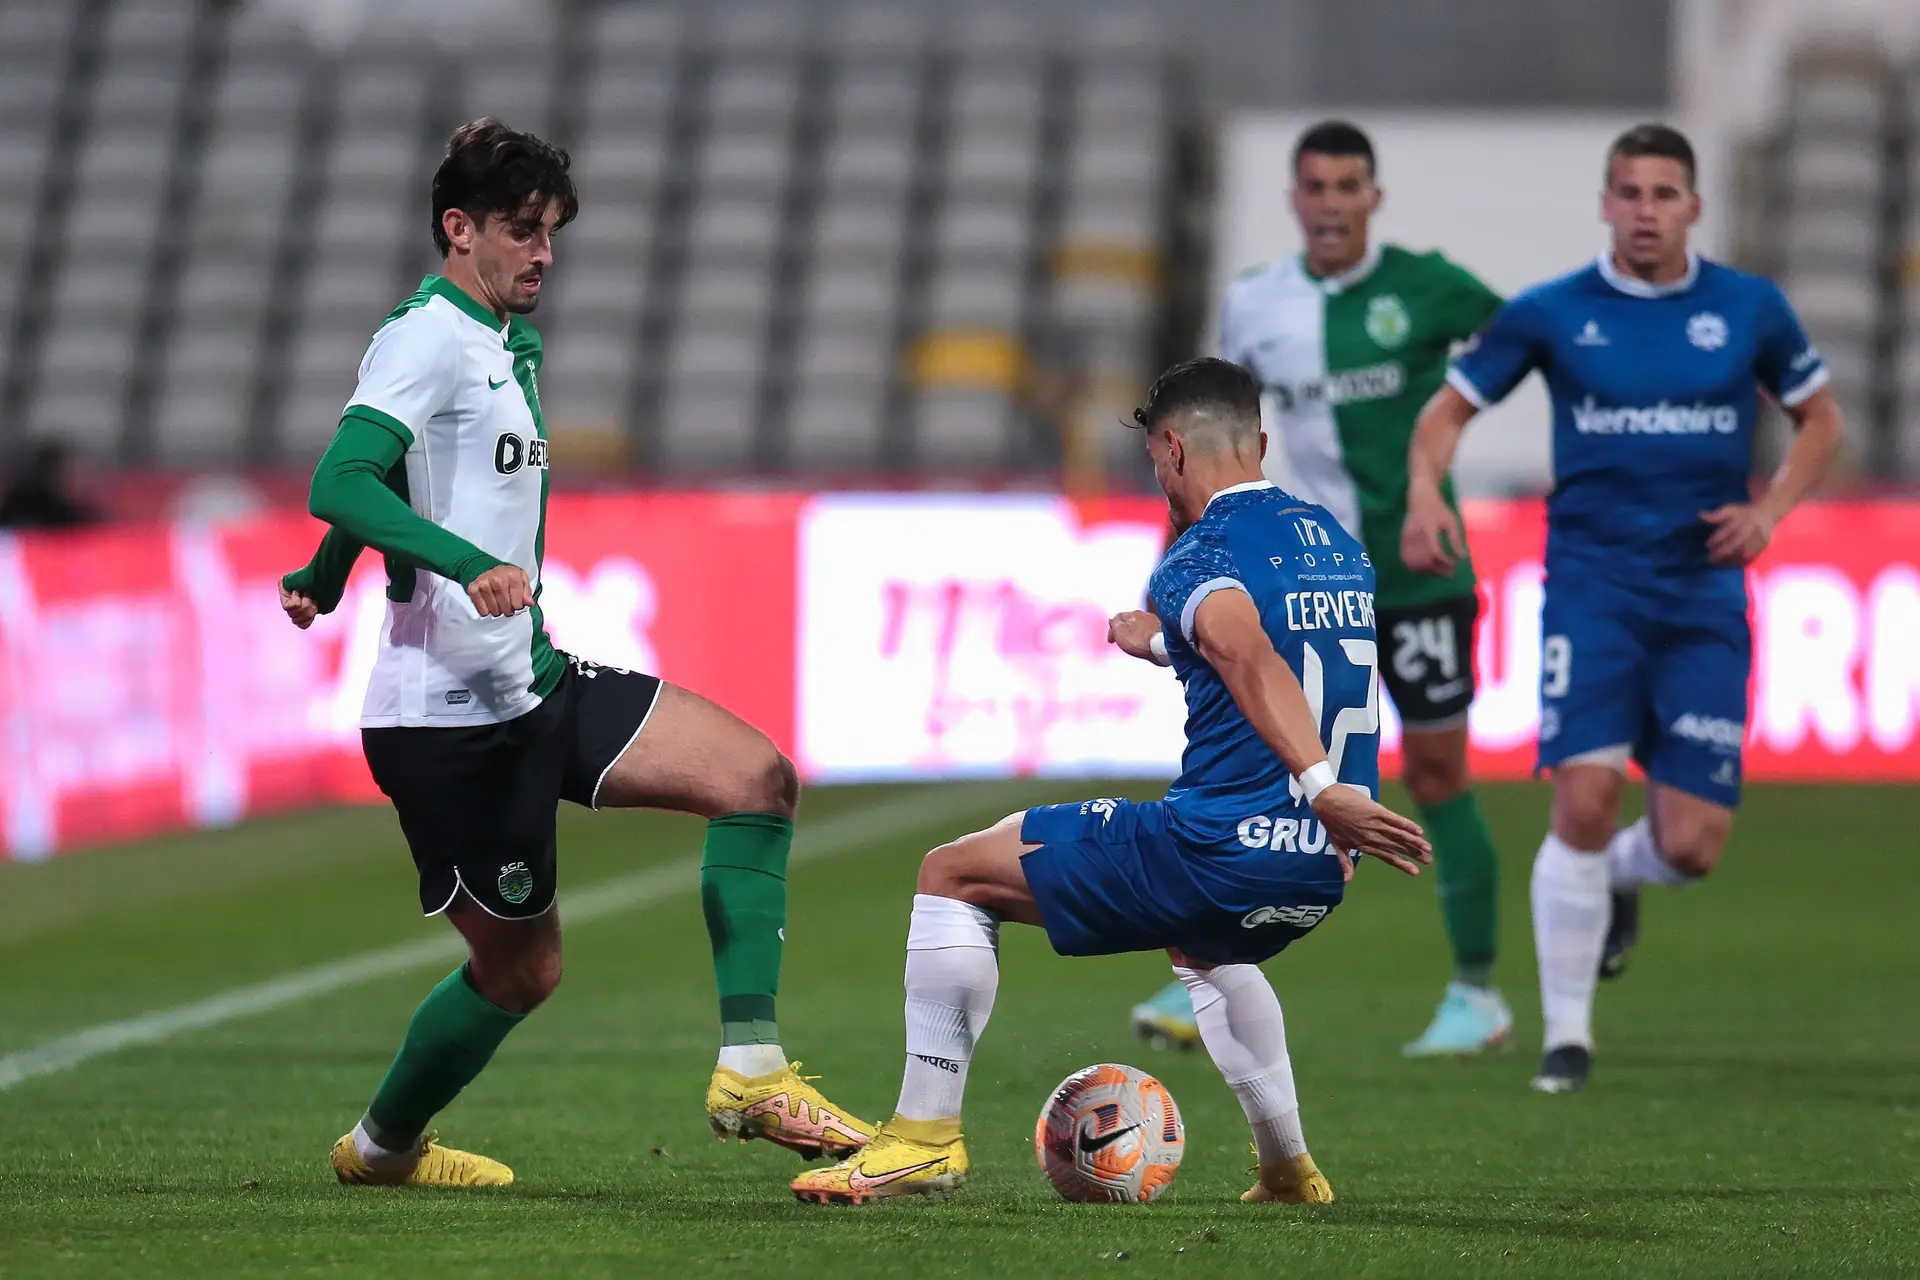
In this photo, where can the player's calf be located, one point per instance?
(1245, 1035)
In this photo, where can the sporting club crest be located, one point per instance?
(1388, 323)
(516, 883)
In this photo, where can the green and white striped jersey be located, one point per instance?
(462, 391)
(1347, 362)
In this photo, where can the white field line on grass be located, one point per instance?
(842, 833)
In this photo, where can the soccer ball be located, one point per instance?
(1110, 1133)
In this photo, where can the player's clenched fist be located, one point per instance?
(1133, 631)
(301, 609)
(501, 591)
(1357, 823)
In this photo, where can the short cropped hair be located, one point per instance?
(1335, 138)
(1204, 383)
(1661, 140)
(490, 169)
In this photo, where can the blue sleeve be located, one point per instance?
(1786, 362)
(1494, 361)
(1199, 565)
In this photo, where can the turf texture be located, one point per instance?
(1755, 1109)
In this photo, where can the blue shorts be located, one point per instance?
(1665, 676)
(1110, 878)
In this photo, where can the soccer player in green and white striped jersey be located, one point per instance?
(1349, 339)
(476, 727)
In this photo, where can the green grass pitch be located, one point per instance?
(1755, 1110)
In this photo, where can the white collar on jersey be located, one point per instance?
(1245, 486)
(1345, 280)
(1635, 287)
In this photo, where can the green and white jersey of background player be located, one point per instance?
(1347, 362)
(462, 390)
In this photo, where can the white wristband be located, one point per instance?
(1158, 647)
(1315, 779)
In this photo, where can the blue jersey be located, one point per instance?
(1654, 391)
(1313, 585)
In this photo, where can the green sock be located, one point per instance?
(1469, 874)
(743, 890)
(450, 1041)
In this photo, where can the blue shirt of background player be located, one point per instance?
(1654, 391)
(1313, 585)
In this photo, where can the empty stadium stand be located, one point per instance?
(1830, 207)
(868, 242)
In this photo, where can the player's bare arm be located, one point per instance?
(1134, 633)
(1229, 636)
(1431, 540)
(1741, 531)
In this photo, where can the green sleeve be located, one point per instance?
(354, 491)
(323, 579)
(1472, 301)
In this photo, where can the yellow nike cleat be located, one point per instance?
(783, 1108)
(1297, 1181)
(437, 1166)
(894, 1164)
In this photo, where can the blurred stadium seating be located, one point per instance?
(1830, 207)
(864, 244)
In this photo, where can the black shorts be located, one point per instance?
(1426, 658)
(478, 803)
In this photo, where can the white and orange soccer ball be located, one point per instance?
(1110, 1133)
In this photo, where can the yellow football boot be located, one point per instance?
(783, 1108)
(1295, 1181)
(906, 1158)
(437, 1166)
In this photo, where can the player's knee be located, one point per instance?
(1692, 852)
(770, 784)
(1585, 817)
(779, 784)
(954, 871)
(1434, 779)
(541, 978)
(940, 873)
(519, 983)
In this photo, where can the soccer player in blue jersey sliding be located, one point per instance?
(1655, 359)
(1269, 605)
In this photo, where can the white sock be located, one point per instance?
(1246, 1035)
(753, 1059)
(1570, 911)
(953, 971)
(378, 1156)
(1633, 859)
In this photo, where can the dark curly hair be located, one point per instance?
(490, 169)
